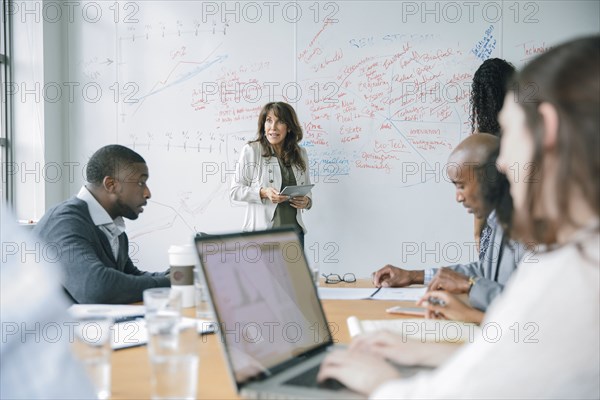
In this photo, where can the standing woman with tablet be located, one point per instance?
(268, 164)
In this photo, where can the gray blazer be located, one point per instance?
(90, 272)
(494, 270)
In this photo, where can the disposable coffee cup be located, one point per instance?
(182, 260)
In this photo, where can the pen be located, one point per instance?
(127, 319)
(375, 292)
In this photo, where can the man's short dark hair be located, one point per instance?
(108, 161)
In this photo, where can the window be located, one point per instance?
(5, 106)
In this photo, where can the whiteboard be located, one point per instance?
(381, 90)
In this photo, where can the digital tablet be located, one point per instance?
(295, 191)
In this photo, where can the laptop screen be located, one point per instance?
(264, 298)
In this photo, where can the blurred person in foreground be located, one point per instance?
(35, 354)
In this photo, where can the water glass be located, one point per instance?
(92, 346)
(174, 371)
(203, 305)
(163, 314)
(171, 347)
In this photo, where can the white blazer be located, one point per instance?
(254, 171)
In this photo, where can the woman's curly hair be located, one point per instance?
(487, 94)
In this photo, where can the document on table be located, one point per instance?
(116, 311)
(129, 329)
(134, 333)
(398, 294)
(328, 293)
(401, 294)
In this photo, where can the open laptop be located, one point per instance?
(273, 330)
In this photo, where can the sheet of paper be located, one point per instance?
(114, 310)
(134, 333)
(400, 294)
(129, 334)
(329, 293)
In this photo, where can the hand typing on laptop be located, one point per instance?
(377, 357)
(395, 348)
(357, 370)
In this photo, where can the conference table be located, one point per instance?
(131, 367)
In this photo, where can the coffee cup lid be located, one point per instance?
(182, 255)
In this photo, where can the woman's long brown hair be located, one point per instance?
(291, 153)
(568, 77)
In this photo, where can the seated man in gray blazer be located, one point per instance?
(483, 191)
(89, 233)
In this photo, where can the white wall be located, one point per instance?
(154, 81)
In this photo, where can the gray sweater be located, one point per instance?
(90, 272)
(494, 270)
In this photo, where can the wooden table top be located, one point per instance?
(131, 367)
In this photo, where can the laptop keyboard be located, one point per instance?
(309, 379)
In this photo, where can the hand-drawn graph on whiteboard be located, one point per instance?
(392, 99)
(197, 96)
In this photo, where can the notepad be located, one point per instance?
(423, 330)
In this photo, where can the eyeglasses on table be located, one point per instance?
(336, 278)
